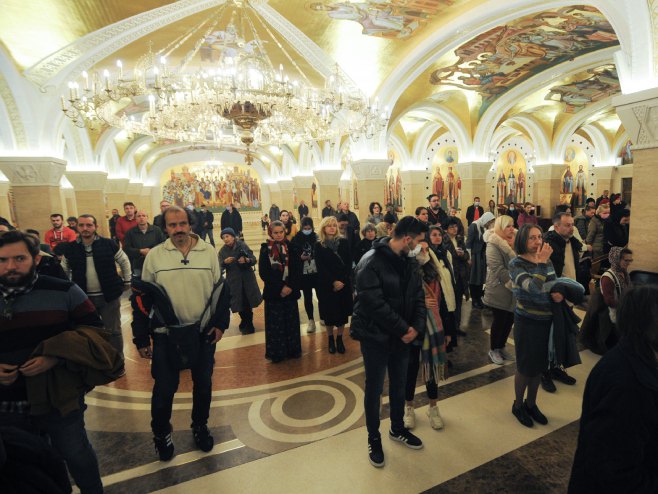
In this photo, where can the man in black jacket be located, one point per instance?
(159, 220)
(389, 313)
(139, 241)
(231, 219)
(302, 209)
(474, 211)
(328, 209)
(435, 214)
(206, 218)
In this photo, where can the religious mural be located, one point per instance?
(227, 44)
(314, 194)
(396, 19)
(511, 177)
(574, 177)
(213, 185)
(355, 194)
(625, 153)
(446, 182)
(393, 185)
(505, 56)
(602, 83)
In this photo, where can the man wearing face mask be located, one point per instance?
(474, 211)
(389, 313)
(513, 211)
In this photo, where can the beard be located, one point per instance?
(11, 279)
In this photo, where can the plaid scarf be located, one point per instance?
(433, 351)
(278, 253)
(11, 293)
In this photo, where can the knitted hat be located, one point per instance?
(229, 230)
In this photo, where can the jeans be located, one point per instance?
(208, 233)
(377, 359)
(308, 301)
(110, 313)
(69, 437)
(166, 384)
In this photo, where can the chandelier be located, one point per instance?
(224, 90)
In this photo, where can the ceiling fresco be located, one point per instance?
(505, 56)
(598, 84)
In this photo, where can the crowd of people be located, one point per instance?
(402, 281)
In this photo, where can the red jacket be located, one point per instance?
(123, 225)
(53, 238)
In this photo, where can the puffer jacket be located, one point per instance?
(390, 297)
(595, 236)
(499, 284)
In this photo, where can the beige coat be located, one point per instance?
(498, 287)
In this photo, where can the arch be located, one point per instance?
(501, 135)
(619, 143)
(560, 141)
(536, 134)
(401, 150)
(601, 147)
(423, 141)
(128, 161)
(16, 111)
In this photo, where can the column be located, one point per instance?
(286, 185)
(35, 185)
(546, 193)
(303, 184)
(134, 194)
(416, 186)
(90, 196)
(148, 200)
(5, 212)
(474, 181)
(603, 178)
(115, 191)
(639, 114)
(275, 197)
(328, 181)
(371, 180)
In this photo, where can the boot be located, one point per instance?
(340, 347)
(332, 344)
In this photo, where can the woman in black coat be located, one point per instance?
(280, 268)
(369, 233)
(334, 262)
(618, 440)
(304, 242)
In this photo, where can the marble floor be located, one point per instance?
(298, 426)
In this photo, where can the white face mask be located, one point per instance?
(414, 252)
(423, 258)
(476, 203)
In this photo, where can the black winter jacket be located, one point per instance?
(559, 244)
(389, 296)
(104, 250)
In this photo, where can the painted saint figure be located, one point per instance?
(511, 187)
(520, 189)
(501, 185)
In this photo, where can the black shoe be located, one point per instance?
(250, 330)
(332, 344)
(164, 446)
(521, 414)
(547, 383)
(407, 438)
(535, 413)
(477, 304)
(375, 452)
(561, 375)
(204, 441)
(460, 332)
(340, 346)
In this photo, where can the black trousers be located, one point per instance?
(501, 327)
(412, 376)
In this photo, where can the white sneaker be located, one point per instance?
(435, 417)
(506, 355)
(311, 326)
(409, 417)
(495, 357)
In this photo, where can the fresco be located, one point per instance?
(213, 185)
(574, 177)
(446, 182)
(508, 55)
(625, 153)
(511, 177)
(314, 194)
(219, 44)
(395, 19)
(355, 194)
(393, 185)
(602, 83)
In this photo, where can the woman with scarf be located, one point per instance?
(500, 251)
(430, 350)
(599, 330)
(461, 261)
(476, 244)
(280, 268)
(288, 224)
(334, 262)
(304, 242)
(447, 302)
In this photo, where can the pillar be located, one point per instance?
(416, 186)
(328, 182)
(35, 185)
(134, 194)
(474, 181)
(286, 185)
(275, 197)
(90, 196)
(115, 191)
(546, 191)
(303, 184)
(371, 180)
(639, 114)
(147, 201)
(5, 212)
(602, 178)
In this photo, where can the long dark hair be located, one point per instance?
(428, 270)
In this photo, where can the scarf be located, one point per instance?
(278, 253)
(433, 351)
(622, 275)
(332, 243)
(445, 278)
(10, 294)
(486, 218)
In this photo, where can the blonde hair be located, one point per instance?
(381, 230)
(502, 222)
(327, 221)
(602, 207)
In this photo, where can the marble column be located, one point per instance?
(416, 186)
(147, 201)
(35, 185)
(134, 194)
(546, 187)
(275, 197)
(115, 191)
(89, 189)
(303, 184)
(5, 212)
(639, 114)
(328, 182)
(371, 181)
(287, 202)
(474, 178)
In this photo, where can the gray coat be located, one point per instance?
(241, 278)
(498, 293)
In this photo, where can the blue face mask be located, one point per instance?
(307, 232)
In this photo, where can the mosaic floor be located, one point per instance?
(298, 426)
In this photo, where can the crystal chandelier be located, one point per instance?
(225, 90)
